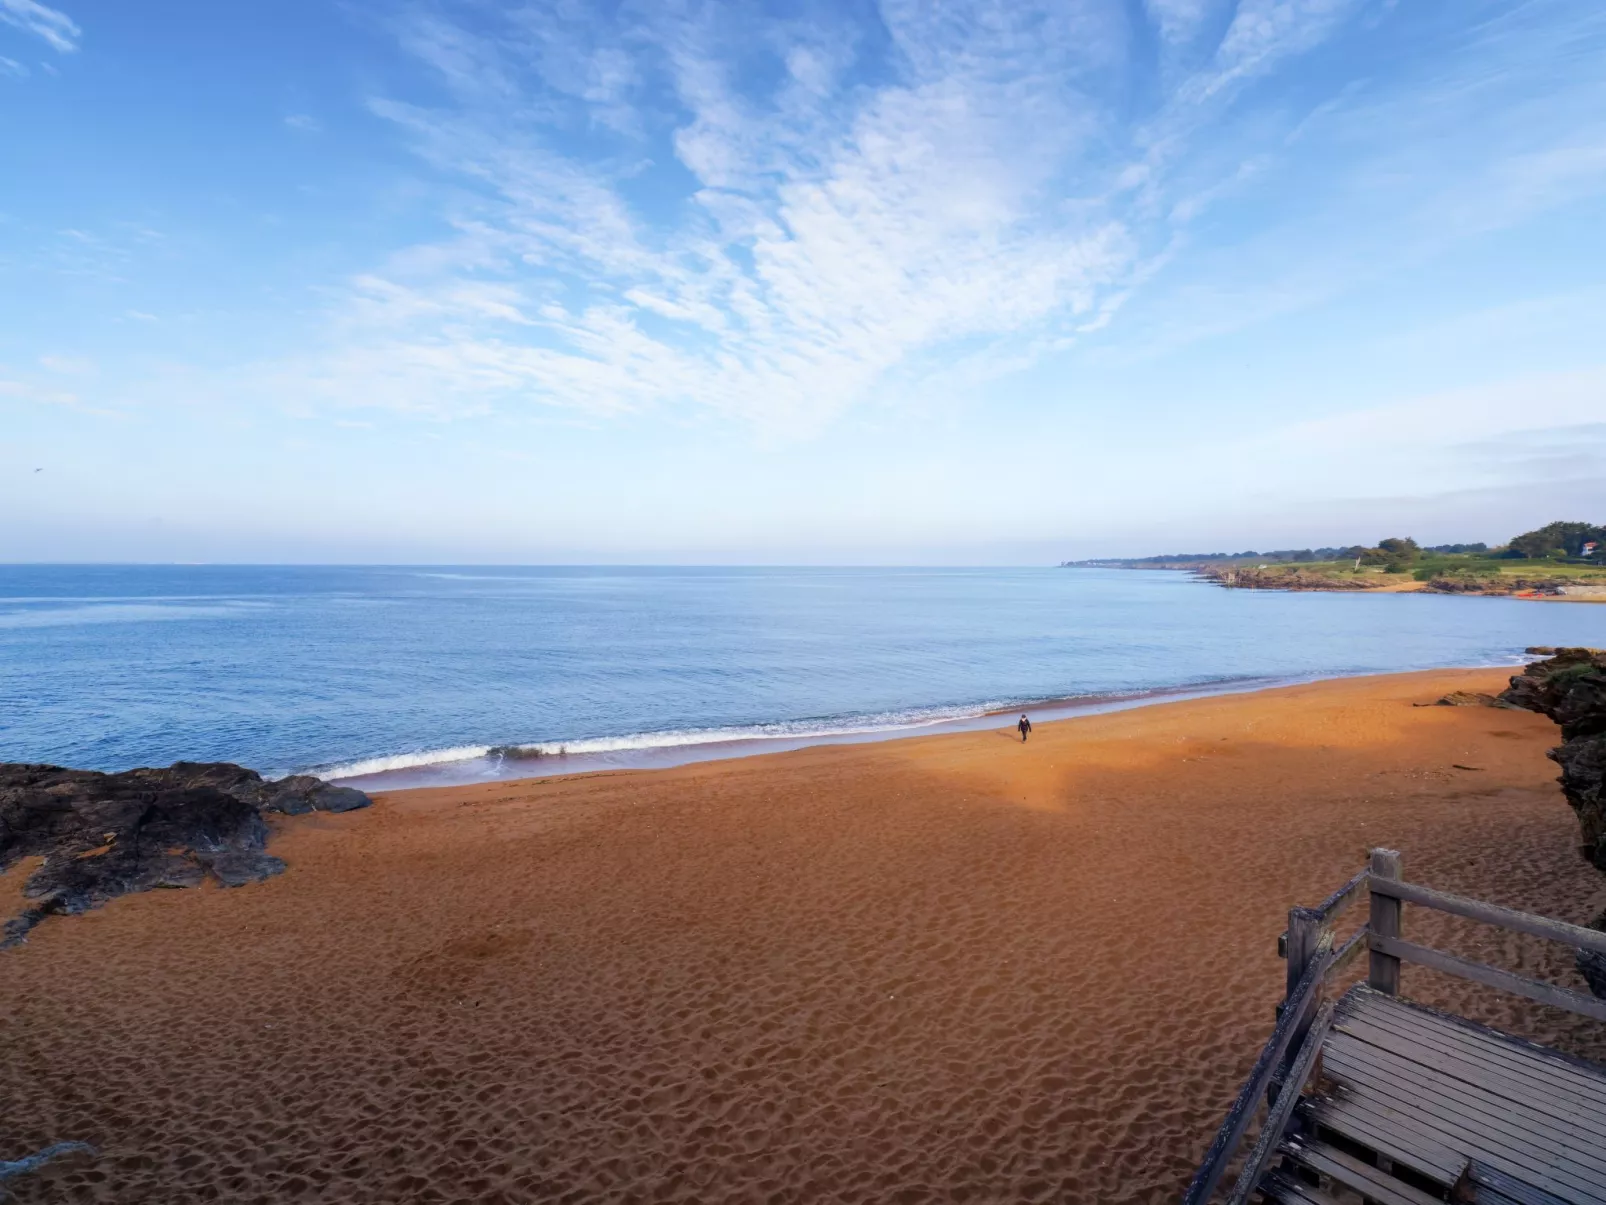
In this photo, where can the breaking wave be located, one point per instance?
(667, 739)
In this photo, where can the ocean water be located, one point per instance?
(398, 676)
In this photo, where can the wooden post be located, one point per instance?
(1305, 929)
(1384, 972)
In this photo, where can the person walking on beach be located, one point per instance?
(1024, 728)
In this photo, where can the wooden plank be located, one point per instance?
(1540, 1093)
(1517, 985)
(1516, 1055)
(1506, 1147)
(1329, 908)
(1405, 1138)
(1516, 1068)
(1345, 954)
(1417, 1012)
(1203, 1185)
(1576, 936)
(1371, 1182)
(1476, 1111)
(1343, 897)
(1431, 1028)
(1383, 923)
(1285, 1190)
(1509, 1187)
(1277, 1116)
(1403, 1143)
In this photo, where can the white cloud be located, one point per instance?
(635, 222)
(53, 25)
(833, 233)
(1178, 20)
(304, 123)
(12, 68)
(72, 366)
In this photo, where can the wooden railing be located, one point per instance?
(1305, 1014)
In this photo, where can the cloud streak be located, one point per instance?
(712, 210)
(776, 219)
(53, 25)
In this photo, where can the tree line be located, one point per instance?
(1553, 541)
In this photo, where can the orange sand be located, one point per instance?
(948, 968)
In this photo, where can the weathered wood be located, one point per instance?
(1205, 1181)
(1566, 1099)
(1428, 1027)
(1398, 1102)
(1468, 1111)
(1415, 1139)
(1565, 1107)
(1330, 907)
(1285, 1190)
(1277, 1115)
(1494, 914)
(1371, 1182)
(1517, 985)
(1345, 954)
(1383, 974)
(1343, 897)
(1304, 931)
(1509, 1187)
(1391, 1136)
(1309, 936)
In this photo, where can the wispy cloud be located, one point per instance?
(53, 25)
(304, 123)
(778, 219)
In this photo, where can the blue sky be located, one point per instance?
(840, 282)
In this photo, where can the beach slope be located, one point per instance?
(942, 968)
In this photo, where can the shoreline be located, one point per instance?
(948, 966)
(495, 764)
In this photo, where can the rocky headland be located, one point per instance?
(106, 835)
(1274, 577)
(1569, 686)
(1237, 578)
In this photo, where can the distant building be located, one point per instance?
(1589, 548)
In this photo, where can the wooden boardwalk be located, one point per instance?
(1372, 1098)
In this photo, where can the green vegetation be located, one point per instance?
(1556, 551)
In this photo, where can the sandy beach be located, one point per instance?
(949, 968)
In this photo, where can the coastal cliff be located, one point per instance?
(106, 835)
(1569, 686)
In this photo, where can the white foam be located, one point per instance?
(668, 739)
(401, 761)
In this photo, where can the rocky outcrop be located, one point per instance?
(1466, 698)
(1569, 686)
(1286, 579)
(1496, 586)
(105, 835)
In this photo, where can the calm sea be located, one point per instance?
(456, 674)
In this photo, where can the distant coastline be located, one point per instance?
(1560, 562)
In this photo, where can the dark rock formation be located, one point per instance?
(1467, 698)
(105, 835)
(1569, 686)
(1495, 585)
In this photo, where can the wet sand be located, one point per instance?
(949, 968)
